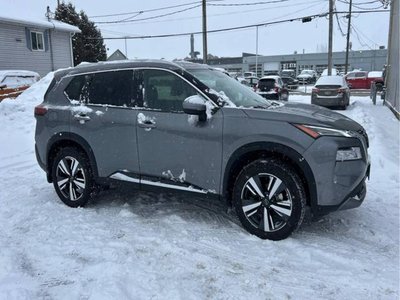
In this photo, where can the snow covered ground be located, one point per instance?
(142, 245)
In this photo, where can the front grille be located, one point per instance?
(365, 136)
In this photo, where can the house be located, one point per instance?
(39, 45)
(117, 55)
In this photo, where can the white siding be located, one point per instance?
(15, 54)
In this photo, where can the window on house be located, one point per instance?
(37, 41)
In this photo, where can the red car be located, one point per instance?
(14, 82)
(363, 79)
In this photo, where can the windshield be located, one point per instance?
(306, 72)
(237, 93)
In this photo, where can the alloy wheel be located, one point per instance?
(266, 202)
(71, 180)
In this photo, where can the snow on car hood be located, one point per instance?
(305, 114)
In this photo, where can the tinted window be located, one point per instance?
(360, 74)
(74, 88)
(112, 88)
(351, 76)
(165, 91)
(266, 84)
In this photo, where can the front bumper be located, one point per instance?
(339, 184)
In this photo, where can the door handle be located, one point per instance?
(147, 124)
(82, 117)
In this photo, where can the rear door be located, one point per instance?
(177, 150)
(104, 115)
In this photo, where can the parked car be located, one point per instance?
(363, 79)
(290, 82)
(307, 76)
(249, 74)
(331, 91)
(185, 127)
(253, 81)
(272, 87)
(288, 73)
(14, 82)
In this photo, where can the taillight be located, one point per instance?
(341, 90)
(315, 90)
(40, 110)
(276, 88)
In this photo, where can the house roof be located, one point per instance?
(117, 55)
(39, 22)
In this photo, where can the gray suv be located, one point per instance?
(186, 127)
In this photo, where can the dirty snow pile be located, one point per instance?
(141, 245)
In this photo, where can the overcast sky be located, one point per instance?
(372, 29)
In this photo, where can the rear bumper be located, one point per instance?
(328, 101)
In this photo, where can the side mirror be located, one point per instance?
(349, 85)
(3, 85)
(195, 105)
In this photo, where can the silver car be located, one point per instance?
(331, 91)
(184, 127)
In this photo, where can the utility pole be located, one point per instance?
(257, 51)
(346, 65)
(126, 48)
(204, 32)
(330, 37)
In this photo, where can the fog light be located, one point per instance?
(348, 154)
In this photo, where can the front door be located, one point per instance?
(177, 150)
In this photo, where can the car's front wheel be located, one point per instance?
(72, 177)
(269, 199)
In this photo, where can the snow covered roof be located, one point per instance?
(330, 80)
(4, 73)
(39, 22)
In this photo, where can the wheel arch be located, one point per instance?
(67, 139)
(253, 151)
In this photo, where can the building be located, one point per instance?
(392, 80)
(117, 55)
(38, 45)
(368, 60)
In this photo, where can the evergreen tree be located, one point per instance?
(87, 45)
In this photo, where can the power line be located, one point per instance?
(223, 14)
(237, 27)
(146, 10)
(149, 18)
(248, 4)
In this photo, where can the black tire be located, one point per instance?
(73, 183)
(285, 209)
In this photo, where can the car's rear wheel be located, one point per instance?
(72, 177)
(269, 199)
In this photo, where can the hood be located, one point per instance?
(305, 114)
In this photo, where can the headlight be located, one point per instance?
(316, 131)
(351, 153)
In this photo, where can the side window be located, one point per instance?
(165, 91)
(113, 88)
(351, 76)
(109, 88)
(75, 89)
(360, 74)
